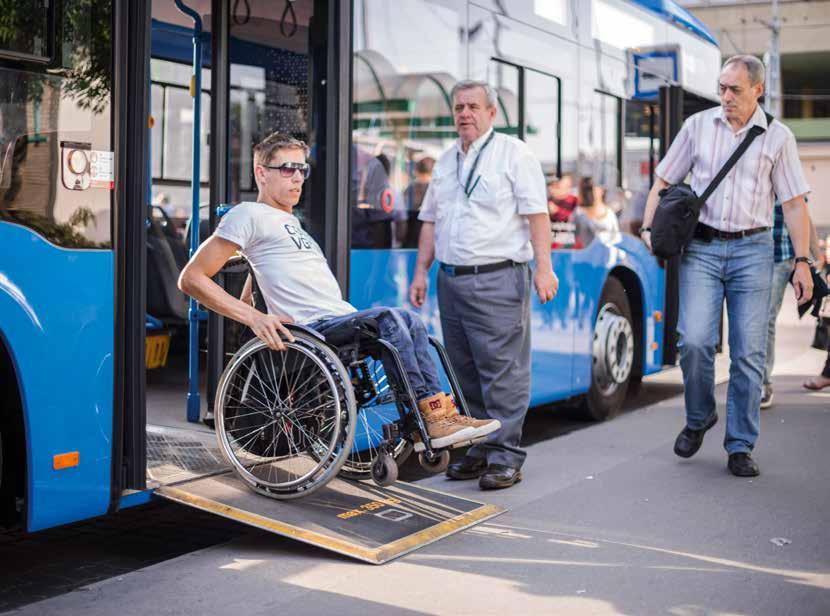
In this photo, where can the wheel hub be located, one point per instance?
(613, 349)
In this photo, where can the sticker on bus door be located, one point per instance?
(85, 168)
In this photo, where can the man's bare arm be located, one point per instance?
(196, 281)
(545, 281)
(798, 224)
(652, 202)
(426, 255)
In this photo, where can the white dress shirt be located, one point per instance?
(491, 224)
(746, 196)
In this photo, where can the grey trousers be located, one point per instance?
(485, 319)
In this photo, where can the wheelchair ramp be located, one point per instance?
(357, 519)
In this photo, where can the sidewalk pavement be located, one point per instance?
(607, 521)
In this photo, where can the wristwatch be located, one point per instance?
(806, 260)
(644, 229)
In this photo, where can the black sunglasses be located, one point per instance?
(287, 170)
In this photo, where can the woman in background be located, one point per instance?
(593, 215)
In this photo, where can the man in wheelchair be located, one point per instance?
(298, 286)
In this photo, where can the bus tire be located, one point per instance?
(612, 354)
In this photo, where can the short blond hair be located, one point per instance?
(264, 150)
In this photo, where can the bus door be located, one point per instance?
(268, 67)
(61, 184)
(677, 105)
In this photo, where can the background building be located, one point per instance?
(745, 27)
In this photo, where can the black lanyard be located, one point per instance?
(467, 190)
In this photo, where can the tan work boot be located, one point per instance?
(482, 427)
(440, 417)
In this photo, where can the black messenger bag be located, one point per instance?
(679, 209)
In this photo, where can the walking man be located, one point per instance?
(731, 255)
(484, 217)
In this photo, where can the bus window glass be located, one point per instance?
(177, 151)
(55, 141)
(542, 119)
(604, 140)
(505, 79)
(401, 114)
(156, 132)
(24, 30)
(269, 77)
(641, 145)
(172, 138)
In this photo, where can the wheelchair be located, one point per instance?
(290, 421)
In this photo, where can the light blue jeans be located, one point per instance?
(780, 277)
(405, 331)
(741, 272)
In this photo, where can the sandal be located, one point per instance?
(812, 385)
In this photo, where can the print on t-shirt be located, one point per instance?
(299, 237)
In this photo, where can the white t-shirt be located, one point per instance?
(289, 266)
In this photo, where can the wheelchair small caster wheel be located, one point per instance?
(437, 464)
(384, 470)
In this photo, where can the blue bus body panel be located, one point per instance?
(561, 330)
(60, 336)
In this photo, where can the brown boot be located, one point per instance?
(441, 418)
(482, 427)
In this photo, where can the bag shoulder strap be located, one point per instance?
(753, 132)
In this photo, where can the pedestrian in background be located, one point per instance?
(731, 255)
(784, 261)
(485, 216)
(561, 203)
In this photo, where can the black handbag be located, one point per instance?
(678, 211)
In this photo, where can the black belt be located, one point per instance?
(707, 233)
(464, 270)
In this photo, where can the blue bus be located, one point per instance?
(99, 138)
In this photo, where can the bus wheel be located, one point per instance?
(612, 354)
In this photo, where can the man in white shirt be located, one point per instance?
(732, 254)
(484, 217)
(298, 285)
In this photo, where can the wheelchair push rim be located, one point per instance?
(285, 419)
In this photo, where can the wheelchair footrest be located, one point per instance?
(418, 446)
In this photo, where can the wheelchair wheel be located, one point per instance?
(376, 410)
(436, 464)
(285, 419)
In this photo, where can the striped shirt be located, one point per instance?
(782, 245)
(745, 197)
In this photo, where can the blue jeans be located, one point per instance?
(405, 331)
(780, 277)
(741, 272)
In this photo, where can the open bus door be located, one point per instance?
(676, 104)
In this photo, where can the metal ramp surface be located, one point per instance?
(357, 519)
